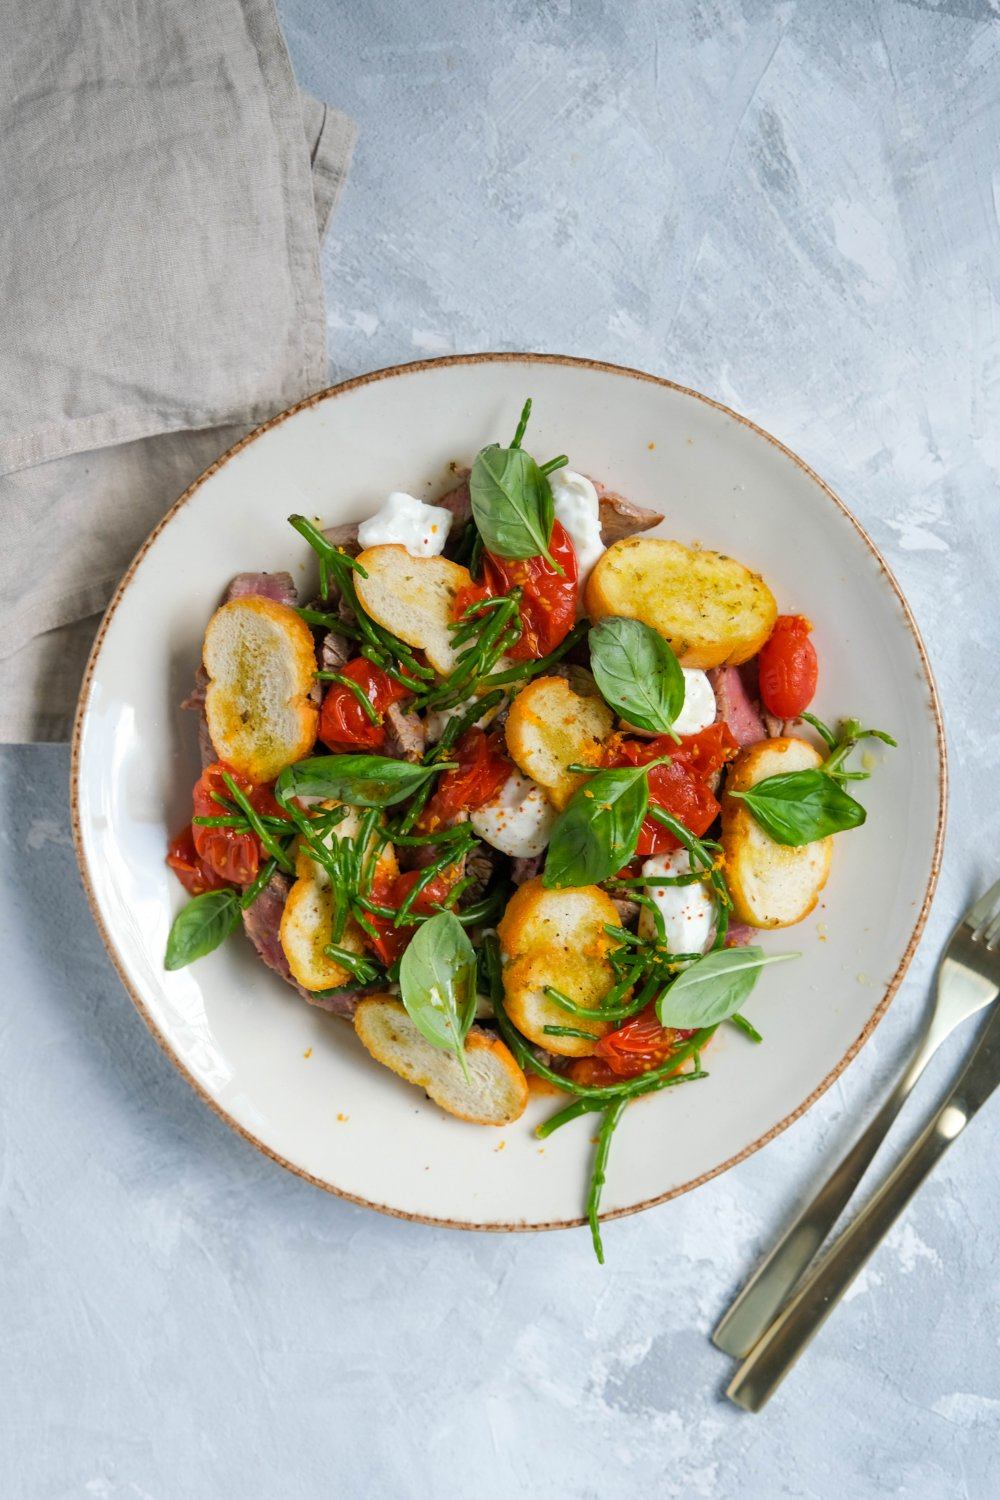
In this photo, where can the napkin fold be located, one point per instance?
(166, 189)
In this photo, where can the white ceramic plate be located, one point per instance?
(295, 1081)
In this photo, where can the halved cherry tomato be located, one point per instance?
(548, 603)
(391, 941)
(679, 788)
(707, 751)
(469, 593)
(482, 770)
(639, 1045)
(232, 855)
(788, 668)
(193, 873)
(343, 723)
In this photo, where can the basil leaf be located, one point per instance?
(596, 833)
(637, 673)
(437, 981)
(360, 780)
(200, 926)
(714, 987)
(802, 806)
(511, 503)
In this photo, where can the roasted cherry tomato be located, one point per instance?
(469, 593)
(482, 770)
(191, 870)
(343, 723)
(639, 1045)
(680, 787)
(232, 855)
(548, 602)
(391, 941)
(788, 668)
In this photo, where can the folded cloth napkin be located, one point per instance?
(165, 189)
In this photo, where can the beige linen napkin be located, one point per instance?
(165, 190)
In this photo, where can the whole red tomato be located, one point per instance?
(193, 873)
(788, 668)
(680, 787)
(482, 769)
(233, 855)
(548, 600)
(343, 723)
(392, 891)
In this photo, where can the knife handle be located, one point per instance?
(771, 1359)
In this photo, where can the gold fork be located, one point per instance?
(968, 979)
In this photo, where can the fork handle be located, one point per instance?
(760, 1374)
(757, 1305)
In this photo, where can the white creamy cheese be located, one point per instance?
(688, 910)
(577, 507)
(436, 720)
(407, 522)
(699, 708)
(519, 819)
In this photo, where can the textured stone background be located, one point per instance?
(793, 208)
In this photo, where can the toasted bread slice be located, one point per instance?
(261, 665)
(556, 938)
(772, 885)
(414, 598)
(570, 920)
(584, 980)
(550, 727)
(713, 611)
(307, 919)
(496, 1091)
(304, 932)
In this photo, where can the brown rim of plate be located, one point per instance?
(416, 367)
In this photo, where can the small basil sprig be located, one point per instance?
(359, 780)
(637, 673)
(437, 981)
(512, 502)
(200, 926)
(597, 831)
(713, 988)
(799, 807)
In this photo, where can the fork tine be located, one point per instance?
(980, 911)
(992, 931)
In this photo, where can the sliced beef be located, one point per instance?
(196, 698)
(344, 1002)
(206, 750)
(738, 934)
(620, 518)
(195, 701)
(406, 736)
(628, 910)
(481, 864)
(526, 869)
(735, 706)
(334, 651)
(345, 537)
(459, 502)
(262, 920)
(276, 586)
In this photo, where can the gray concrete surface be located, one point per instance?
(793, 208)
